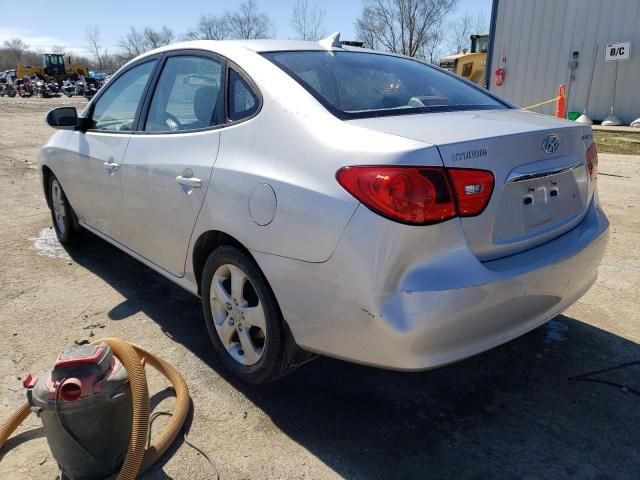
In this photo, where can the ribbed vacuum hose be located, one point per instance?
(14, 421)
(162, 443)
(138, 459)
(140, 399)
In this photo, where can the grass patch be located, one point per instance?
(618, 142)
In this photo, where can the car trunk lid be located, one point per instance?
(538, 195)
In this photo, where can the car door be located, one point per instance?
(92, 176)
(168, 163)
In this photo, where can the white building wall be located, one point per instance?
(533, 40)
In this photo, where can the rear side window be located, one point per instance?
(243, 102)
(187, 96)
(116, 109)
(360, 84)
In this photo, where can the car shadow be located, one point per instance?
(512, 412)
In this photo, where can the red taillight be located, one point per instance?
(592, 161)
(473, 189)
(418, 195)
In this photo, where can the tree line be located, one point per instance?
(417, 28)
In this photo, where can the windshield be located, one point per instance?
(360, 84)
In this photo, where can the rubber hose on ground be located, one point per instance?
(10, 424)
(140, 400)
(180, 411)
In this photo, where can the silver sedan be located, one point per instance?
(324, 199)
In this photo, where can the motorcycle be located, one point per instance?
(42, 89)
(68, 88)
(8, 89)
(54, 88)
(25, 87)
(89, 90)
(78, 88)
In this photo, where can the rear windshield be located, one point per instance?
(360, 84)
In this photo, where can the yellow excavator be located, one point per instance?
(53, 66)
(470, 65)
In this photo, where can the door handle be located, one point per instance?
(112, 167)
(189, 181)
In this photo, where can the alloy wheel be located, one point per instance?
(59, 207)
(238, 315)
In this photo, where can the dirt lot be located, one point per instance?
(512, 412)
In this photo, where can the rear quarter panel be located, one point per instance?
(295, 146)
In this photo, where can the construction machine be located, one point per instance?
(53, 67)
(470, 65)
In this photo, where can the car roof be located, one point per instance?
(260, 46)
(228, 47)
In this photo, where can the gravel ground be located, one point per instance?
(512, 412)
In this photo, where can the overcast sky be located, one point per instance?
(45, 23)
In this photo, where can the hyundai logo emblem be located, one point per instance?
(550, 143)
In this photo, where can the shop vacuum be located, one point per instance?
(94, 408)
(85, 408)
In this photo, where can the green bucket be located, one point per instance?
(573, 115)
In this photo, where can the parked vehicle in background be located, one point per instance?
(89, 88)
(329, 199)
(8, 76)
(7, 89)
(68, 88)
(471, 65)
(25, 87)
(53, 67)
(45, 88)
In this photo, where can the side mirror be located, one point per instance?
(65, 118)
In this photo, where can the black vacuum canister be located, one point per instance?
(86, 412)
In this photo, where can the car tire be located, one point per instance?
(242, 317)
(62, 215)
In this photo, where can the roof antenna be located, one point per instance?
(332, 41)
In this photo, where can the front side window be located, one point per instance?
(361, 84)
(116, 109)
(243, 102)
(187, 96)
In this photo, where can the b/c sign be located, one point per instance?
(616, 52)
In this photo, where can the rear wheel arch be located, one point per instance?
(206, 243)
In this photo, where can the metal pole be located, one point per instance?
(584, 118)
(611, 119)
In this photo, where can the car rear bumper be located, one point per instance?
(421, 302)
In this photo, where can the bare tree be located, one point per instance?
(307, 20)
(432, 50)
(460, 33)
(94, 38)
(368, 29)
(248, 23)
(482, 23)
(210, 27)
(16, 48)
(401, 26)
(137, 42)
(132, 44)
(244, 23)
(157, 38)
